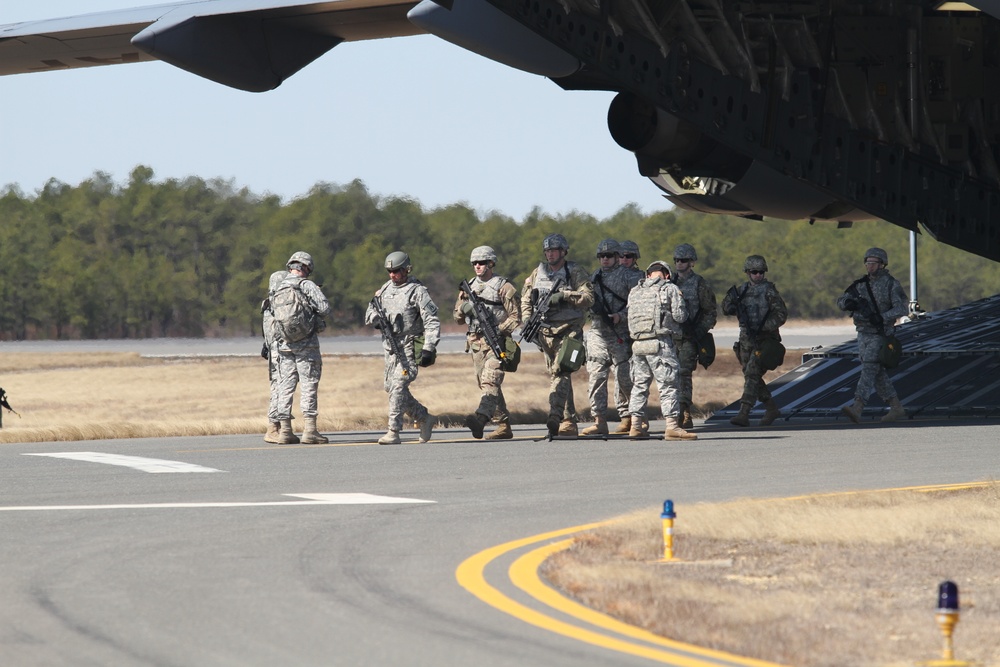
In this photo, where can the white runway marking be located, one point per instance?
(311, 499)
(137, 462)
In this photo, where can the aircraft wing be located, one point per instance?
(248, 44)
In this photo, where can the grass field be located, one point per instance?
(96, 396)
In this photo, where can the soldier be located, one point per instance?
(298, 307)
(411, 314)
(656, 310)
(608, 341)
(271, 352)
(700, 301)
(876, 301)
(760, 311)
(562, 322)
(630, 253)
(499, 297)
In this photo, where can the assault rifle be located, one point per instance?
(487, 322)
(863, 307)
(6, 405)
(529, 331)
(385, 326)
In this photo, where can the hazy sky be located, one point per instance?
(412, 116)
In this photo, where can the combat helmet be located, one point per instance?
(303, 258)
(397, 260)
(631, 248)
(553, 241)
(665, 266)
(755, 263)
(685, 251)
(608, 246)
(483, 253)
(879, 254)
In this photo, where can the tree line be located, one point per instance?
(191, 257)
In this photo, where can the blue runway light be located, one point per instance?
(947, 597)
(668, 510)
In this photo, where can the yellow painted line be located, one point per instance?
(524, 575)
(470, 575)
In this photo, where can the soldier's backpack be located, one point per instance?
(293, 315)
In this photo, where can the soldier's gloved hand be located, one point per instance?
(556, 298)
(467, 309)
(850, 304)
(428, 357)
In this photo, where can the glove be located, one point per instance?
(427, 357)
(467, 309)
(556, 298)
(850, 304)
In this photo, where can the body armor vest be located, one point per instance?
(401, 307)
(544, 282)
(646, 311)
(489, 292)
(689, 288)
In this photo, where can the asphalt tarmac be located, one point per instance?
(230, 551)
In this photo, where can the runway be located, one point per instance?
(243, 553)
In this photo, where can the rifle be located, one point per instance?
(385, 326)
(864, 308)
(487, 322)
(529, 331)
(6, 405)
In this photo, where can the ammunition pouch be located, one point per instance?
(571, 355)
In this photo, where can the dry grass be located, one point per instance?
(70, 396)
(817, 582)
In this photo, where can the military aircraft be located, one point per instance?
(834, 110)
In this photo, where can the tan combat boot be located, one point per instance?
(310, 436)
(285, 434)
(674, 432)
(503, 432)
(624, 426)
(390, 438)
(896, 410)
(568, 428)
(638, 429)
(743, 417)
(684, 419)
(600, 427)
(272, 432)
(426, 428)
(853, 411)
(771, 412)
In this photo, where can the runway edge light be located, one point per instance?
(668, 517)
(946, 616)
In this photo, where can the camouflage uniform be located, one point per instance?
(300, 362)
(702, 315)
(563, 320)
(500, 297)
(608, 344)
(410, 307)
(891, 303)
(272, 345)
(762, 311)
(656, 311)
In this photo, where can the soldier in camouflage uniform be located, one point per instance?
(875, 322)
(761, 311)
(630, 253)
(409, 307)
(656, 310)
(700, 300)
(500, 298)
(300, 362)
(270, 345)
(607, 340)
(564, 319)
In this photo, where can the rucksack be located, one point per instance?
(293, 315)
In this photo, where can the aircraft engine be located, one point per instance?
(699, 174)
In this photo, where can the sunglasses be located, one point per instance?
(480, 262)
(678, 260)
(391, 271)
(607, 255)
(629, 255)
(756, 273)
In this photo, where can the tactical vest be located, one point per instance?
(689, 288)
(400, 306)
(645, 311)
(755, 305)
(489, 292)
(543, 283)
